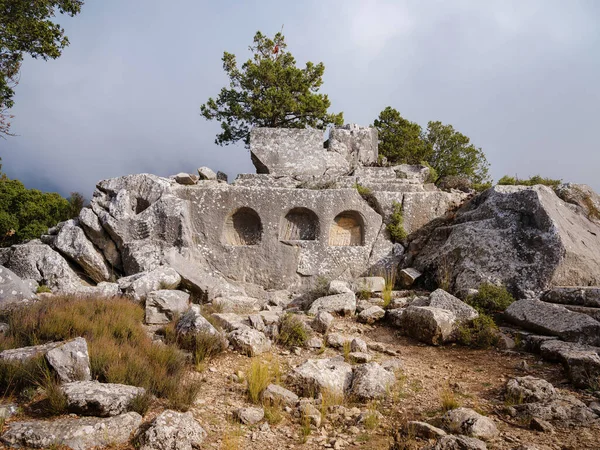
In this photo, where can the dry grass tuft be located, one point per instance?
(259, 375)
(292, 332)
(448, 399)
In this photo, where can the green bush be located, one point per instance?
(536, 179)
(396, 225)
(481, 332)
(292, 332)
(491, 299)
(433, 175)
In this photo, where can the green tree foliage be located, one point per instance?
(26, 27)
(536, 179)
(76, 203)
(441, 147)
(453, 154)
(400, 140)
(491, 299)
(269, 91)
(28, 213)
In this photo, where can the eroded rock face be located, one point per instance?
(371, 381)
(443, 300)
(450, 442)
(91, 398)
(582, 363)
(249, 341)
(529, 389)
(74, 433)
(342, 304)
(163, 305)
(13, 290)
(192, 321)
(172, 430)
(523, 237)
(160, 278)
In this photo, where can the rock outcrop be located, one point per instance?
(523, 237)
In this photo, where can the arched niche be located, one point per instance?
(347, 229)
(242, 227)
(299, 224)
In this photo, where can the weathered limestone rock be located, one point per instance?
(230, 321)
(250, 415)
(358, 345)
(576, 296)
(312, 413)
(554, 320)
(72, 242)
(371, 314)
(370, 284)
(339, 287)
(336, 340)
(160, 278)
(393, 365)
(296, 153)
(371, 381)
(408, 276)
(433, 326)
(451, 442)
(314, 375)
(342, 304)
(424, 430)
(13, 290)
(523, 237)
(186, 179)
(163, 305)
(249, 341)
(206, 173)
(443, 300)
(91, 398)
(359, 357)
(276, 394)
(322, 322)
(468, 422)
(564, 408)
(75, 433)
(583, 196)
(90, 223)
(358, 145)
(70, 359)
(238, 304)
(581, 362)
(192, 321)
(172, 430)
(541, 425)
(529, 389)
(314, 343)
(257, 322)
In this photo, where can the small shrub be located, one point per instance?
(203, 345)
(367, 195)
(536, 179)
(513, 398)
(292, 332)
(448, 400)
(593, 212)
(258, 377)
(372, 418)
(273, 412)
(330, 398)
(364, 294)
(481, 332)
(184, 395)
(396, 225)
(141, 403)
(390, 283)
(433, 175)
(305, 429)
(346, 350)
(480, 187)
(491, 299)
(42, 288)
(455, 182)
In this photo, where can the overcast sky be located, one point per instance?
(520, 78)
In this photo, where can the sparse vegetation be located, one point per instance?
(593, 212)
(305, 429)
(346, 350)
(396, 225)
(390, 283)
(273, 412)
(481, 332)
(141, 403)
(120, 350)
(491, 299)
(330, 398)
(292, 332)
(372, 418)
(42, 288)
(203, 345)
(536, 179)
(448, 399)
(259, 375)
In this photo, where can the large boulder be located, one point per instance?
(433, 326)
(315, 375)
(523, 237)
(91, 398)
(371, 381)
(140, 285)
(555, 320)
(587, 296)
(529, 389)
(469, 422)
(294, 152)
(358, 145)
(192, 321)
(90, 223)
(75, 433)
(172, 430)
(342, 304)
(13, 290)
(581, 362)
(249, 341)
(69, 360)
(72, 242)
(162, 306)
(443, 300)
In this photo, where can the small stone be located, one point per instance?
(277, 394)
(541, 425)
(408, 276)
(358, 345)
(371, 315)
(172, 430)
(186, 178)
(424, 430)
(469, 422)
(206, 173)
(250, 415)
(315, 343)
(322, 322)
(359, 357)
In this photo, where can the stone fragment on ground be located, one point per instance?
(172, 430)
(555, 320)
(230, 321)
(140, 285)
(315, 375)
(371, 381)
(529, 389)
(451, 442)
(371, 315)
(249, 341)
(408, 276)
(469, 422)
(238, 304)
(250, 415)
(443, 300)
(341, 304)
(91, 398)
(336, 340)
(430, 325)
(192, 321)
(368, 284)
(186, 179)
(424, 430)
(339, 287)
(74, 433)
(206, 173)
(162, 306)
(277, 394)
(322, 322)
(582, 363)
(70, 359)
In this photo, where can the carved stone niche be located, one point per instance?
(242, 227)
(299, 224)
(347, 229)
